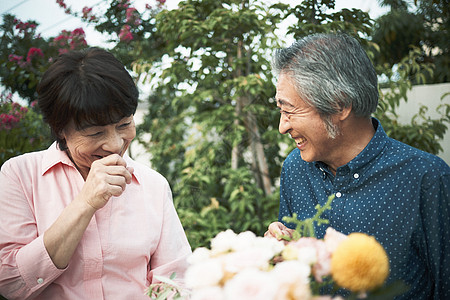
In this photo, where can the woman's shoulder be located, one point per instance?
(145, 173)
(27, 161)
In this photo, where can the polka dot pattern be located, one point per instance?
(396, 193)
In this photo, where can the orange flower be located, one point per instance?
(359, 263)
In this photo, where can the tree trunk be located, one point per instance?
(260, 167)
(238, 111)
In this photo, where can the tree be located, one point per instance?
(426, 28)
(211, 125)
(25, 55)
(213, 128)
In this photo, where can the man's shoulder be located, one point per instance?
(402, 153)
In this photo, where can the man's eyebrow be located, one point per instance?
(281, 102)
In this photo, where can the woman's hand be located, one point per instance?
(107, 177)
(277, 230)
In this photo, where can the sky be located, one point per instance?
(53, 20)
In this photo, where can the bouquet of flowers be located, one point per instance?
(245, 266)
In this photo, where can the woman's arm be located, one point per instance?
(107, 177)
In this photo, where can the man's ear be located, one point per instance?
(344, 113)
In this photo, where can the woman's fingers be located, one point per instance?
(107, 177)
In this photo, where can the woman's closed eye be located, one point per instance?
(125, 125)
(97, 133)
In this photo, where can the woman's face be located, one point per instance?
(95, 142)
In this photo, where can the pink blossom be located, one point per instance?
(125, 35)
(322, 266)
(33, 52)
(251, 284)
(23, 27)
(15, 58)
(9, 121)
(293, 280)
(61, 3)
(333, 238)
(78, 31)
(247, 258)
(208, 293)
(87, 14)
(132, 16)
(130, 12)
(19, 60)
(124, 4)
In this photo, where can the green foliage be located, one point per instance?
(210, 113)
(427, 28)
(18, 74)
(166, 288)
(25, 55)
(143, 41)
(211, 127)
(22, 130)
(423, 132)
(314, 16)
(395, 32)
(306, 228)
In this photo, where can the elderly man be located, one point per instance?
(326, 93)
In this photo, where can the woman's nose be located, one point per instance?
(113, 143)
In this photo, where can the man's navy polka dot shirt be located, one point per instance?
(394, 192)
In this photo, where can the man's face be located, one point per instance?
(303, 123)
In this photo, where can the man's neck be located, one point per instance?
(355, 135)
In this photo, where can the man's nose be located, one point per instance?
(284, 126)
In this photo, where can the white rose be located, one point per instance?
(251, 284)
(223, 242)
(203, 274)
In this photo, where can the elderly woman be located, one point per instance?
(81, 220)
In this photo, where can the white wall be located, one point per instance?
(430, 96)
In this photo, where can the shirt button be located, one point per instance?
(338, 194)
(40, 281)
(356, 175)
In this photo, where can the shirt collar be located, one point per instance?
(54, 156)
(371, 151)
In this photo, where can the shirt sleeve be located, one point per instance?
(25, 266)
(173, 248)
(435, 206)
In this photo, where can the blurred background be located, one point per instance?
(206, 118)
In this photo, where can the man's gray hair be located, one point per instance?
(330, 72)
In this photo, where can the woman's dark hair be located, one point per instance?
(89, 87)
